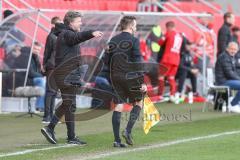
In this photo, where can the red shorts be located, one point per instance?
(171, 70)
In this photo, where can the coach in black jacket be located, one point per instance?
(68, 48)
(224, 33)
(226, 72)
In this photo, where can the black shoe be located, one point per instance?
(49, 135)
(119, 145)
(128, 137)
(77, 141)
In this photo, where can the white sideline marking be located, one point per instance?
(35, 150)
(128, 150)
(160, 145)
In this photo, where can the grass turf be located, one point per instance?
(22, 133)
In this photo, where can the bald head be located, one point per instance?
(232, 48)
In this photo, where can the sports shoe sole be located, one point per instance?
(45, 122)
(47, 136)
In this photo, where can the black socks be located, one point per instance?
(134, 114)
(116, 119)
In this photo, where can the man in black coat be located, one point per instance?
(48, 65)
(227, 72)
(127, 82)
(68, 58)
(224, 33)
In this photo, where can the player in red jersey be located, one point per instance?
(170, 58)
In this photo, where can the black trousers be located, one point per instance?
(182, 75)
(68, 93)
(49, 98)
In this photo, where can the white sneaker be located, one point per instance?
(177, 98)
(224, 107)
(172, 99)
(190, 97)
(234, 109)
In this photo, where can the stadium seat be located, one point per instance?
(29, 92)
(215, 93)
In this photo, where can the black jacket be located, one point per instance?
(227, 68)
(224, 37)
(68, 44)
(50, 46)
(49, 51)
(186, 61)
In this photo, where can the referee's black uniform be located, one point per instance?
(125, 67)
(124, 62)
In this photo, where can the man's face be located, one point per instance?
(231, 19)
(232, 48)
(16, 51)
(36, 49)
(134, 26)
(76, 24)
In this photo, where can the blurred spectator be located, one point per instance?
(226, 72)
(235, 34)
(224, 33)
(35, 76)
(171, 58)
(16, 59)
(48, 66)
(15, 36)
(187, 69)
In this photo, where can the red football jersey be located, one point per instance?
(173, 42)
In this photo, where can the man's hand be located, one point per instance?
(143, 88)
(43, 69)
(97, 34)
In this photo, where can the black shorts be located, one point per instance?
(128, 91)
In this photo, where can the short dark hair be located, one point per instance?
(235, 29)
(170, 24)
(227, 15)
(126, 21)
(55, 19)
(70, 16)
(7, 13)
